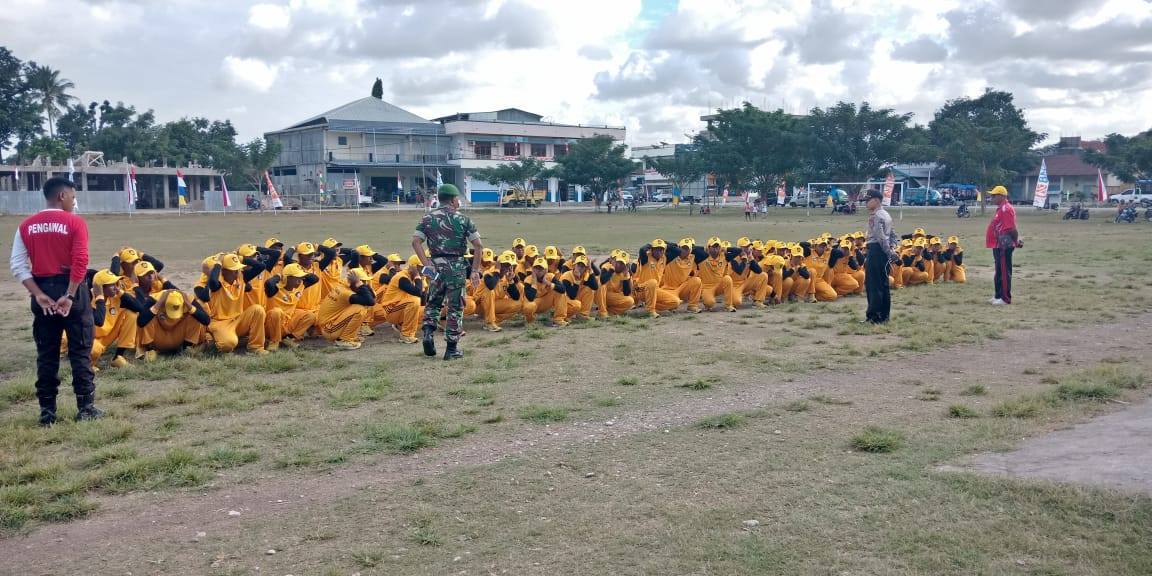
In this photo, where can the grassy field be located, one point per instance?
(841, 477)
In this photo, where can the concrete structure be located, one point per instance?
(653, 182)
(486, 139)
(396, 154)
(155, 185)
(392, 152)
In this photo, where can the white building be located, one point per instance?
(486, 139)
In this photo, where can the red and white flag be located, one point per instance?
(130, 185)
(224, 191)
(1102, 190)
(780, 194)
(271, 187)
(889, 185)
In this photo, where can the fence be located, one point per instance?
(89, 202)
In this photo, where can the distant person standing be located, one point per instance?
(447, 234)
(50, 258)
(881, 252)
(1003, 239)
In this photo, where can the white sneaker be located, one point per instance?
(998, 302)
(994, 300)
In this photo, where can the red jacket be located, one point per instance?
(56, 243)
(1002, 222)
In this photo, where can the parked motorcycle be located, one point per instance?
(1076, 212)
(1127, 215)
(962, 211)
(845, 208)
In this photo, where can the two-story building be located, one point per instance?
(391, 151)
(486, 139)
(397, 154)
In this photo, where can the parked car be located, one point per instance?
(922, 197)
(626, 196)
(663, 197)
(1131, 194)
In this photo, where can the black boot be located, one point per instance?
(428, 339)
(47, 412)
(86, 410)
(452, 352)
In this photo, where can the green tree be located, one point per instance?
(52, 149)
(751, 148)
(50, 91)
(854, 144)
(682, 168)
(597, 163)
(1128, 157)
(18, 112)
(983, 140)
(254, 158)
(513, 174)
(378, 89)
(77, 126)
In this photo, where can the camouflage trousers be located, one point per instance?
(448, 290)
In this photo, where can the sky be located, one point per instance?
(1078, 67)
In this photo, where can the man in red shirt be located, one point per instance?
(1003, 239)
(50, 258)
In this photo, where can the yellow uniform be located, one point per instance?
(617, 287)
(680, 276)
(547, 293)
(648, 279)
(285, 318)
(176, 324)
(581, 288)
(231, 319)
(797, 277)
(955, 258)
(820, 288)
(773, 267)
(401, 304)
(500, 295)
(344, 310)
(714, 279)
(844, 265)
(748, 279)
(114, 319)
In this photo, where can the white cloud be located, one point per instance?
(249, 73)
(273, 17)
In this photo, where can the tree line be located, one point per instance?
(33, 96)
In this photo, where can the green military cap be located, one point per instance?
(448, 190)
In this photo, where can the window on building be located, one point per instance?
(284, 171)
(539, 150)
(511, 149)
(483, 150)
(342, 140)
(560, 150)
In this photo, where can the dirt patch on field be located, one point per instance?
(1110, 451)
(170, 521)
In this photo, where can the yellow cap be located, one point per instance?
(210, 261)
(953, 239)
(551, 253)
(935, 241)
(775, 260)
(365, 250)
(725, 244)
(361, 274)
(305, 248)
(294, 270)
(231, 262)
(508, 258)
(758, 246)
(143, 268)
(689, 242)
(918, 232)
(531, 250)
(578, 250)
(128, 255)
(998, 191)
(414, 261)
(907, 242)
(394, 257)
(580, 260)
(105, 277)
(622, 257)
(488, 255)
(659, 243)
(174, 305)
(820, 240)
(919, 242)
(272, 242)
(330, 242)
(540, 263)
(519, 242)
(714, 241)
(857, 234)
(246, 250)
(743, 242)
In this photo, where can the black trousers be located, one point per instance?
(1003, 279)
(876, 285)
(47, 331)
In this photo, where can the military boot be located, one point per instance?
(428, 339)
(86, 409)
(452, 352)
(47, 412)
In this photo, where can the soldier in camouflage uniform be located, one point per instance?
(447, 234)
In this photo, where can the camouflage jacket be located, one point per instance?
(446, 232)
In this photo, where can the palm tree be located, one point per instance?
(50, 91)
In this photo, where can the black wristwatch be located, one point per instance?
(70, 296)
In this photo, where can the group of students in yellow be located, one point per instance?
(273, 297)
